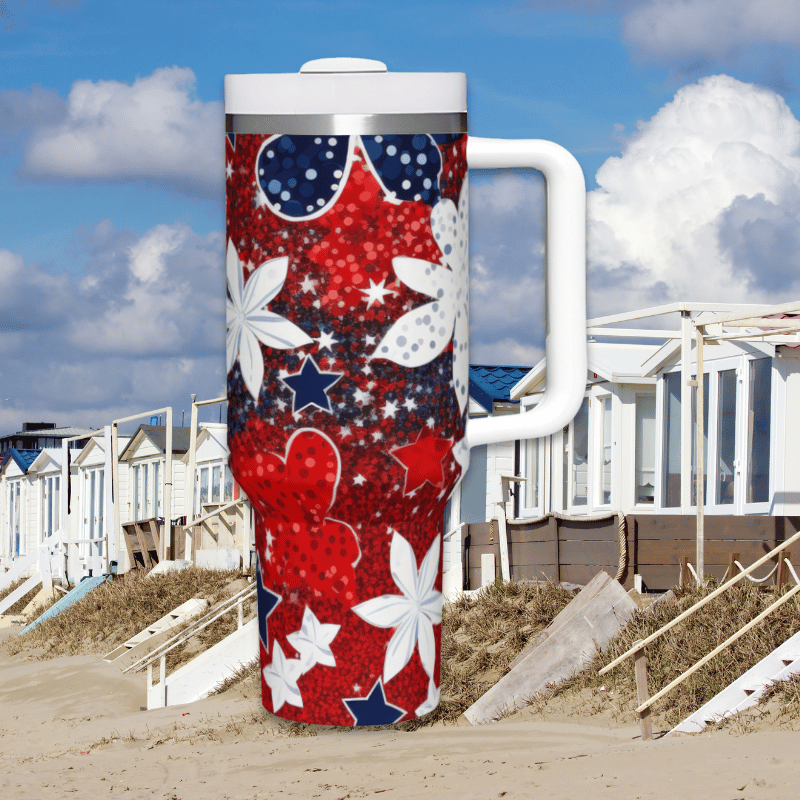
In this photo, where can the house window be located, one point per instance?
(147, 490)
(214, 485)
(645, 456)
(579, 477)
(532, 469)
(136, 492)
(705, 439)
(726, 437)
(671, 465)
(203, 494)
(16, 540)
(736, 432)
(157, 496)
(758, 430)
(228, 483)
(51, 510)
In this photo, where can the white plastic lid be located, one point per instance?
(346, 86)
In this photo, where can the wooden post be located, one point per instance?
(783, 571)
(699, 437)
(553, 524)
(732, 568)
(684, 580)
(642, 692)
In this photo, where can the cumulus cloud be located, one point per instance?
(22, 111)
(507, 270)
(685, 32)
(676, 216)
(143, 326)
(153, 131)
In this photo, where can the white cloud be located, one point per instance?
(153, 131)
(20, 111)
(686, 31)
(142, 327)
(666, 221)
(507, 269)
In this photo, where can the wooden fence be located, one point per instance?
(573, 550)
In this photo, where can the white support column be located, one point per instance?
(699, 436)
(165, 539)
(686, 412)
(190, 483)
(108, 506)
(116, 500)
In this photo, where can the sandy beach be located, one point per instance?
(75, 725)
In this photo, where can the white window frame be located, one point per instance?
(637, 506)
(525, 511)
(225, 472)
(16, 490)
(93, 512)
(597, 448)
(146, 501)
(49, 495)
(713, 368)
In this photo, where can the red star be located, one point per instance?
(423, 460)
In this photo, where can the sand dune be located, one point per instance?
(74, 726)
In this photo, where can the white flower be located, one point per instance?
(249, 322)
(431, 701)
(413, 613)
(281, 676)
(313, 641)
(421, 334)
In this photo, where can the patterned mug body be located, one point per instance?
(347, 385)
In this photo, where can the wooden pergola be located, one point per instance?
(702, 323)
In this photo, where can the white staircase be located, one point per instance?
(185, 611)
(44, 555)
(780, 664)
(198, 678)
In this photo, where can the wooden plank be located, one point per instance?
(583, 574)
(556, 559)
(559, 656)
(643, 693)
(130, 539)
(716, 552)
(532, 553)
(575, 606)
(587, 553)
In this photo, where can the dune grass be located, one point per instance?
(481, 636)
(19, 605)
(686, 643)
(117, 610)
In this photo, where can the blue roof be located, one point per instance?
(490, 383)
(23, 458)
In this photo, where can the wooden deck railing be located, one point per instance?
(638, 648)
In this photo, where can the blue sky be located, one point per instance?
(682, 113)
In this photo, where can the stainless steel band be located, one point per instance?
(343, 124)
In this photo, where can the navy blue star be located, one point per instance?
(310, 386)
(267, 601)
(373, 709)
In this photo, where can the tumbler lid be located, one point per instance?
(346, 86)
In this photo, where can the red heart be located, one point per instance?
(292, 495)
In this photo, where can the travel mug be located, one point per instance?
(348, 366)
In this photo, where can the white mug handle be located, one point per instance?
(565, 346)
